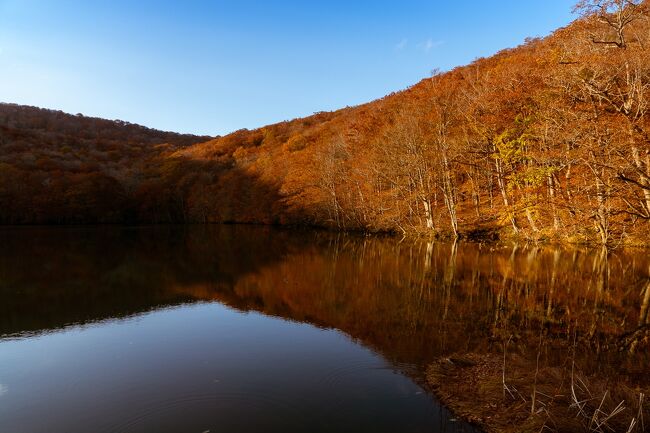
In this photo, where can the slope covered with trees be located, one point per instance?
(550, 139)
(60, 168)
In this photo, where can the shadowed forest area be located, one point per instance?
(549, 140)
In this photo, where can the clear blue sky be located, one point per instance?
(211, 67)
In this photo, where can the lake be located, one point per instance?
(247, 329)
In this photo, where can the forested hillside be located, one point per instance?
(60, 168)
(547, 140)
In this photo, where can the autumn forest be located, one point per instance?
(546, 141)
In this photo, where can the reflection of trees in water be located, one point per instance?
(634, 338)
(643, 317)
(412, 301)
(52, 277)
(419, 300)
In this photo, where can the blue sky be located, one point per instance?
(212, 67)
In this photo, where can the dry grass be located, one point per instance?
(514, 394)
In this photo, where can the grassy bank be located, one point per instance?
(515, 393)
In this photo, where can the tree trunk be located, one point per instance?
(448, 191)
(428, 214)
(531, 220)
(602, 223)
(504, 194)
(644, 178)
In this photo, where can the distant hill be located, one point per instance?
(546, 140)
(60, 168)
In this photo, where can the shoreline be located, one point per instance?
(489, 237)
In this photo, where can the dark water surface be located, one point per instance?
(247, 329)
(156, 329)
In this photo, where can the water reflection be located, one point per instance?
(410, 302)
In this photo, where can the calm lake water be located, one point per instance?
(248, 329)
